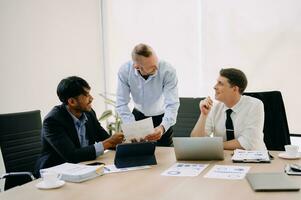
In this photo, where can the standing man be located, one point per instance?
(238, 119)
(152, 83)
(71, 131)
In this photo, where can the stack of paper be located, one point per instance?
(76, 172)
(250, 156)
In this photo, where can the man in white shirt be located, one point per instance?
(238, 119)
(152, 84)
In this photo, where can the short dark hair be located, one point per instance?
(142, 50)
(72, 86)
(235, 77)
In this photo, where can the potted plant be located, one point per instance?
(113, 125)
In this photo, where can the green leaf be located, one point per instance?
(108, 100)
(105, 115)
(111, 102)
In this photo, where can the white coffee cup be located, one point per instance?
(49, 178)
(291, 150)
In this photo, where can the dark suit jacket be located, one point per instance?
(60, 141)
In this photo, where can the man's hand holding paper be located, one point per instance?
(142, 129)
(156, 134)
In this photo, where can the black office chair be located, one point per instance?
(20, 145)
(276, 131)
(188, 115)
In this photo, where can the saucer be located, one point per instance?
(285, 156)
(43, 185)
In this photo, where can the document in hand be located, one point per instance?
(76, 172)
(138, 129)
(250, 156)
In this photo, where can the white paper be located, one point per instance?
(138, 129)
(227, 172)
(184, 169)
(76, 172)
(112, 169)
(106, 151)
(241, 155)
(73, 169)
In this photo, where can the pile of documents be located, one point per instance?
(76, 172)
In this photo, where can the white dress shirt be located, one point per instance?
(248, 121)
(154, 96)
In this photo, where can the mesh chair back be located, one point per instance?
(188, 115)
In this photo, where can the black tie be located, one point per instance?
(229, 125)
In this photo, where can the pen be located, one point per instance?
(107, 169)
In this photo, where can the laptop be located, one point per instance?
(199, 148)
(272, 182)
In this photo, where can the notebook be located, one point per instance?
(272, 182)
(198, 148)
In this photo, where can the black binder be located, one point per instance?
(135, 154)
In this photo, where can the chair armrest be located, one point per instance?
(17, 174)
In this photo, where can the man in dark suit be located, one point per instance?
(71, 131)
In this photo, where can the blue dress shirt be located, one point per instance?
(156, 95)
(81, 132)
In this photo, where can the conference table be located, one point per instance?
(150, 184)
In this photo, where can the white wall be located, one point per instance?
(261, 37)
(171, 27)
(42, 42)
